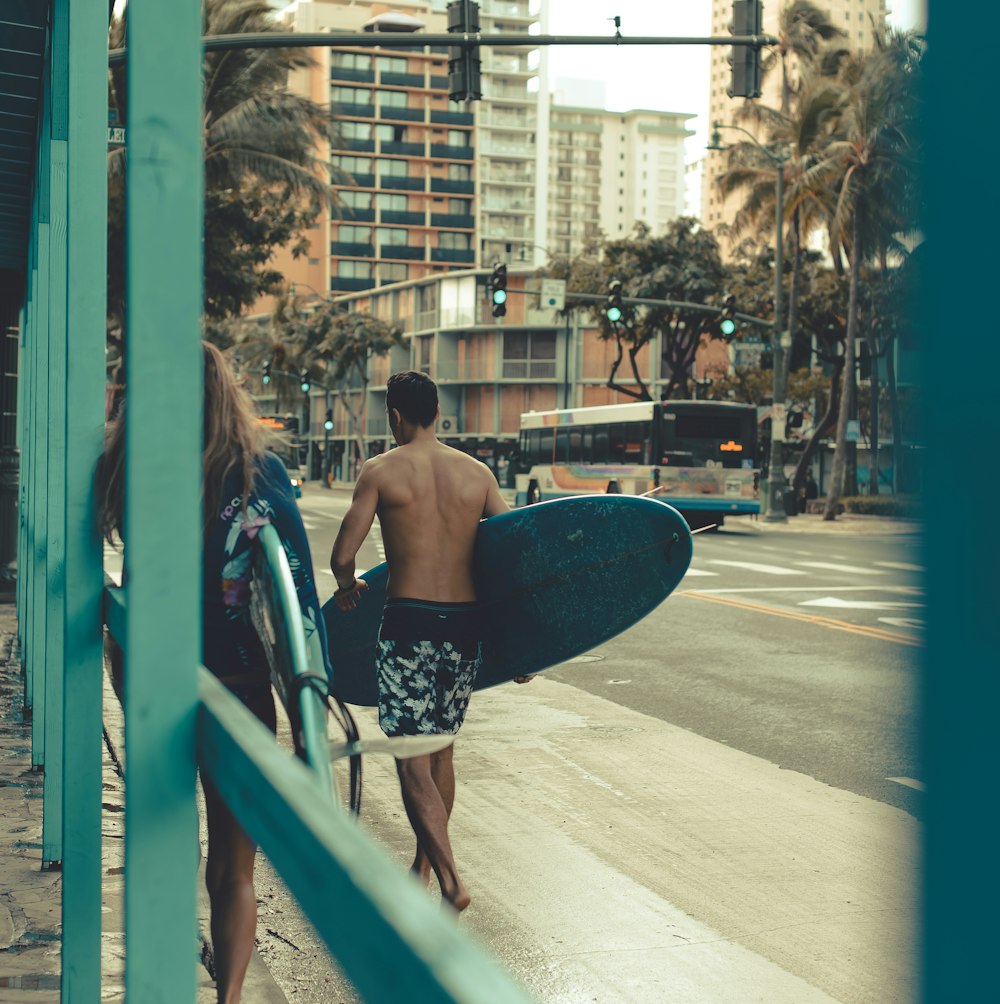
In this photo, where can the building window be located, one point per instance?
(350, 96)
(391, 235)
(463, 207)
(392, 64)
(352, 60)
(354, 269)
(455, 242)
(459, 172)
(354, 235)
(391, 272)
(529, 355)
(355, 130)
(458, 137)
(354, 165)
(393, 168)
(356, 200)
(397, 203)
(392, 99)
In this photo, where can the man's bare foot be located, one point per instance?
(460, 900)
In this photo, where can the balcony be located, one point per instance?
(402, 79)
(453, 221)
(356, 145)
(347, 110)
(453, 118)
(453, 187)
(464, 256)
(401, 183)
(360, 181)
(343, 285)
(350, 73)
(402, 149)
(392, 112)
(446, 152)
(405, 252)
(395, 216)
(439, 83)
(351, 215)
(349, 249)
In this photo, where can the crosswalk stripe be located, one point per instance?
(900, 566)
(751, 566)
(830, 566)
(692, 572)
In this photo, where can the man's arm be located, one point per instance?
(495, 503)
(353, 531)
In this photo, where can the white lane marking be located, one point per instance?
(691, 572)
(841, 604)
(901, 590)
(910, 782)
(751, 566)
(901, 566)
(830, 566)
(309, 524)
(903, 622)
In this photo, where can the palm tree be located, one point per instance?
(870, 164)
(267, 172)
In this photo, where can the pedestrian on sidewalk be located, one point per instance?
(245, 488)
(429, 499)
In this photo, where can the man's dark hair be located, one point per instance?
(414, 395)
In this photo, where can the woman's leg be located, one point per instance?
(229, 878)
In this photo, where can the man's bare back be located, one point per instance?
(429, 499)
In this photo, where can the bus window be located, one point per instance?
(545, 443)
(587, 445)
(636, 436)
(617, 444)
(562, 446)
(575, 446)
(602, 446)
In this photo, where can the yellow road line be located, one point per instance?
(828, 622)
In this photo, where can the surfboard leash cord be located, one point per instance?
(343, 717)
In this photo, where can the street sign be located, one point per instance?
(853, 430)
(116, 135)
(553, 294)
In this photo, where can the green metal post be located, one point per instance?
(52, 464)
(163, 511)
(82, 355)
(38, 419)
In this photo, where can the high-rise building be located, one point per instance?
(858, 19)
(608, 170)
(426, 184)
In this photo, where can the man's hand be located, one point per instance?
(347, 599)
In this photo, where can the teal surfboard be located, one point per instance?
(554, 580)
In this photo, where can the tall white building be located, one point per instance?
(854, 17)
(608, 170)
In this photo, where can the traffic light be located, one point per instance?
(498, 290)
(614, 309)
(745, 59)
(727, 319)
(266, 378)
(328, 423)
(306, 383)
(464, 64)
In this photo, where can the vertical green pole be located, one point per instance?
(37, 653)
(961, 687)
(52, 464)
(163, 511)
(83, 424)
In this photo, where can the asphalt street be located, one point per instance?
(720, 804)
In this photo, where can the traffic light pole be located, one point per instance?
(419, 40)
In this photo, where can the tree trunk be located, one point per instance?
(897, 424)
(822, 428)
(793, 292)
(836, 486)
(873, 392)
(614, 371)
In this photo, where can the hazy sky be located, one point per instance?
(668, 78)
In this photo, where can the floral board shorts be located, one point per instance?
(426, 661)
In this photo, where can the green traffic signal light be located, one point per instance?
(614, 314)
(499, 296)
(614, 311)
(728, 326)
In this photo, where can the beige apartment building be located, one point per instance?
(607, 170)
(427, 184)
(854, 17)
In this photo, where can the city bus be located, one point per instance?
(701, 455)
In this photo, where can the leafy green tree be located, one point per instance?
(871, 165)
(266, 178)
(682, 265)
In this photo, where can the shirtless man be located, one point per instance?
(429, 499)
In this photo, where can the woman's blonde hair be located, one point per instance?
(233, 436)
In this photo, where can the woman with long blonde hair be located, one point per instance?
(245, 487)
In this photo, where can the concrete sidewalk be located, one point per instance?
(31, 899)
